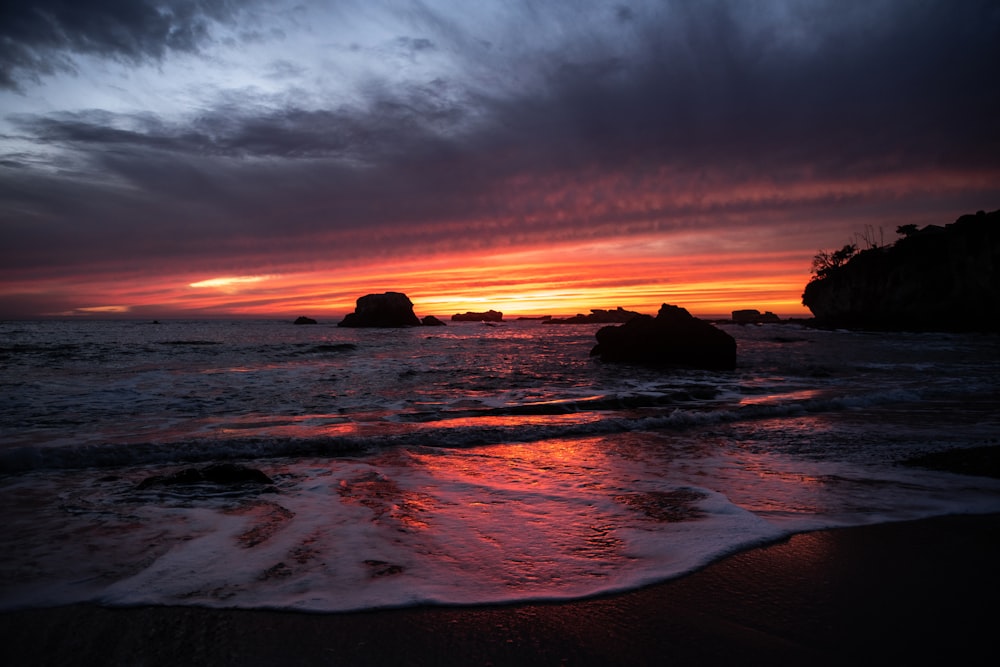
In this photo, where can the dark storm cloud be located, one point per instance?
(206, 187)
(386, 128)
(719, 91)
(916, 81)
(38, 37)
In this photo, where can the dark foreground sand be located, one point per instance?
(923, 592)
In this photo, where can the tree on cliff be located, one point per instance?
(826, 261)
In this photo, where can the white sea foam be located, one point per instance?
(546, 520)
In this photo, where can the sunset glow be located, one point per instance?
(537, 161)
(228, 283)
(557, 281)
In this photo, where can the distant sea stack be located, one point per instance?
(304, 320)
(388, 310)
(597, 316)
(933, 279)
(673, 338)
(754, 316)
(488, 316)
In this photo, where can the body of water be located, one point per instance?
(459, 465)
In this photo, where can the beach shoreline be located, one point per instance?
(902, 591)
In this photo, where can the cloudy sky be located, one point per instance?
(278, 158)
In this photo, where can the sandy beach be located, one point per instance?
(916, 591)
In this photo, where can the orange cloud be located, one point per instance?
(637, 274)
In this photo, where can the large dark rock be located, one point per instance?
(219, 474)
(391, 309)
(597, 316)
(983, 461)
(934, 279)
(304, 320)
(672, 338)
(431, 321)
(488, 316)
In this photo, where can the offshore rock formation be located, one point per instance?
(304, 320)
(754, 316)
(673, 338)
(933, 279)
(431, 321)
(598, 316)
(488, 316)
(391, 309)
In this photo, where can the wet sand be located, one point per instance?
(918, 592)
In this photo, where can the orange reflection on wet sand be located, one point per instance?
(556, 463)
(796, 486)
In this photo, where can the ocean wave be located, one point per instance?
(451, 429)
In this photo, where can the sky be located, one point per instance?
(204, 158)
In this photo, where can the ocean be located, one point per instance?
(466, 464)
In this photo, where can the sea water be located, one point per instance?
(463, 464)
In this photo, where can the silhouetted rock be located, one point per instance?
(220, 473)
(431, 321)
(488, 316)
(304, 320)
(598, 316)
(672, 338)
(754, 316)
(327, 348)
(934, 279)
(391, 309)
(983, 461)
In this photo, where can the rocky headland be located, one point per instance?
(932, 279)
(673, 338)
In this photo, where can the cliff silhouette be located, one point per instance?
(933, 279)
